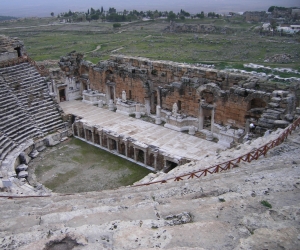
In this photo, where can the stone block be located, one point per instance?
(273, 105)
(24, 158)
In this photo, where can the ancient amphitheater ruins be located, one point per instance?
(216, 182)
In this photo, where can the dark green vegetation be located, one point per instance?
(149, 39)
(5, 18)
(266, 204)
(76, 166)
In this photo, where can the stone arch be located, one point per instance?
(109, 76)
(209, 94)
(210, 88)
(257, 103)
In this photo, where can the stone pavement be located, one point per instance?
(171, 142)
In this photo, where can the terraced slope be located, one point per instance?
(221, 211)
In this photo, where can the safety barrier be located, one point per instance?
(252, 155)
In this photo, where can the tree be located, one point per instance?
(273, 25)
(171, 16)
(52, 14)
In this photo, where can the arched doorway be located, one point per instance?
(256, 107)
(207, 108)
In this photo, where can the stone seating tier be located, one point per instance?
(27, 111)
(225, 208)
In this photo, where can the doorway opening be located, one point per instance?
(169, 166)
(18, 49)
(62, 95)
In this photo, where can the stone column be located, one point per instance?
(100, 140)
(201, 117)
(155, 160)
(117, 146)
(165, 164)
(212, 120)
(135, 156)
(111, 106)
(158, 119)
(78, 130)
(73, 128)
(84, 131)
(107, 142)
(247, 130)
(145, 157)
(158, 97)
(147, 105)
(138, 111)
(126, 150)
(93, 138)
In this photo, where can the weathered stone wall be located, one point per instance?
(235, 96)
(8, 48)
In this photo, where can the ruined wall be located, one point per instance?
(235, 96)
(9, 48)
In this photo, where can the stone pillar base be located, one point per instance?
(191, 130)
(158, 120)
(138, 115)
(209, 136)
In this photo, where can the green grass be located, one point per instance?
(43, 169)
(60, 178)
(77, 158)
(243, 46)
(266, 204)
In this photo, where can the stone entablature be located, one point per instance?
(127, 147)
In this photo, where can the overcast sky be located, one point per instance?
(23, 8)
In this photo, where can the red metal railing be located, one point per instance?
(252, 155)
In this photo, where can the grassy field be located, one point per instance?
(76, 166)
(47, 39)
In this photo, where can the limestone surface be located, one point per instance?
(253, 206)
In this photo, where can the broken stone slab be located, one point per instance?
(178, 219)
(281, 123)
(264, 120)
(24, 158)
(22, 174)
(7, 183)
(64, 139)
(277, 111)
(273, 105)
(276, 99)
(34, 153)
(22, 167)
(289, 117)
(273, 116)
(50, 142)
(41, 148)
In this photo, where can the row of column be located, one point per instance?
(117, 140)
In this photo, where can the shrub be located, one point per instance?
(116, 25)
(266, 204)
